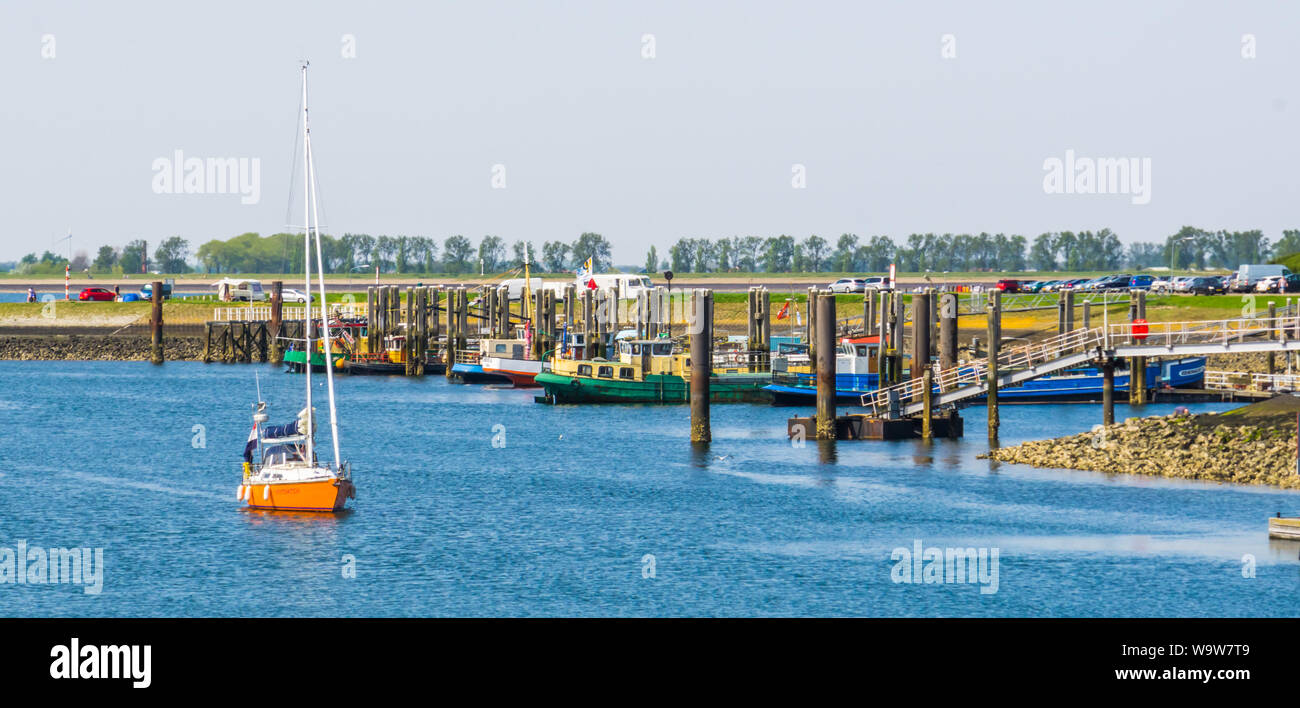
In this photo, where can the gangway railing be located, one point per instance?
(1077, 347)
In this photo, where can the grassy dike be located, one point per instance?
(1254, 444)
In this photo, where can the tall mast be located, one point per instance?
(525, 306)
(324, 316)
(306, 257)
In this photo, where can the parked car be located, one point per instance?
(849, 285)
(146, 290)
(1206, 285)
(876, 282)
(291, 295)
(1161, 284)
(1008, 285)
(1141, 282)
(97, 295)
(1248, 275)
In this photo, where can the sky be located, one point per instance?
(647, 121)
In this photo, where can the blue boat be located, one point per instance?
(856, 363)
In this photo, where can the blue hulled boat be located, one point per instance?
(855, 374)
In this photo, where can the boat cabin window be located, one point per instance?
(605, 372)
(662, 348)
(518, 350)
(500, 349)
(863, 350)
(584, 369)
(625, 372)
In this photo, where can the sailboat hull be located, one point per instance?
(326, 495)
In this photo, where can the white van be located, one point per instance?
(229, 289)
(516, 286)
(626, 285)
(1248, 275)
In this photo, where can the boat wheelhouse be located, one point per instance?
(646, 371)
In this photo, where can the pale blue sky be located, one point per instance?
(698, 141)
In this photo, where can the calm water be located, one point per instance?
(559, 520)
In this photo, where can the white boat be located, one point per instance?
(282, 471)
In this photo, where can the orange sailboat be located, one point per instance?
(282, 471)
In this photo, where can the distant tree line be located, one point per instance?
(1100, 250)
(170, 256)
(1190, 247)
(282, 253)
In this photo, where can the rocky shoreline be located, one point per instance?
(96, 348)
(1255, 444)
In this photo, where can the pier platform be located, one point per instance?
(1284, 527)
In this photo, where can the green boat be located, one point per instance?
(294, 359)
(646, 371)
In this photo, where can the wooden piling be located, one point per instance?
(994, 345)
(810, 319)
(927, 403)
(156, 323)
(701, 344)
(920, 334)
(277, 321)
(1272, 334)
(1067, 311)
(1087, 315)
(1108, 392)
(882, 339)
(948, 331)
(207, 343)
(868, 312)
(588, 324)
(1137, 372)
(824, 336)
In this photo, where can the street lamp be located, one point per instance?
(356, 268)
(1174, 250)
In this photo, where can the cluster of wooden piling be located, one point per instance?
(238, 342)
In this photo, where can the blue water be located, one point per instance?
(560, 519)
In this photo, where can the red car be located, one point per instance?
(96, 294)
(1008, 286)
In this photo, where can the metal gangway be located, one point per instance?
(1029, 361)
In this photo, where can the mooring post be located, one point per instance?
(994, 345)
(1087, 314)
(156, 323)
(882, 345)
(896, 339)
(1108, 391)
(810, 319)
(701, 333)
(927, 403)
(449, 350)
(408, 344)
(932, 322)
(1272, 334)
(1067, 311)
(868, 313)
(277, 320)
(1137, 372)
(920, 334)
(207, 342)
(947, 332)
(824, 335)
(588, 325)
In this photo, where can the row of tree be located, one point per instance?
(171, 256)
(918, 253)
(1100, 250)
